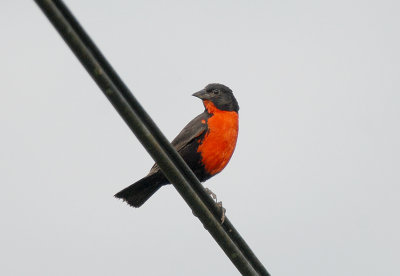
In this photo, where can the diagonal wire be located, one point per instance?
(170, 162)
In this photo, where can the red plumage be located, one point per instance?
(206, 143)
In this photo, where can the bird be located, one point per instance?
(206, 144)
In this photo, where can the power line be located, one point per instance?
(170, 162)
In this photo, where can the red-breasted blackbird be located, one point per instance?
(206, 143)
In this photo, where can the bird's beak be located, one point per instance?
(202, 94)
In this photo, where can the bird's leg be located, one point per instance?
(214, 196)
(223, 211)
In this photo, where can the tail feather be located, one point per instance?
(140, 191)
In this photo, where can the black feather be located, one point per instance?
(140, 191)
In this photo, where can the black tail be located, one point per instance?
(137, 194)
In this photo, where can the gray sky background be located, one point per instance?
(313, 185)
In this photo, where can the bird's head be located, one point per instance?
(220, 95)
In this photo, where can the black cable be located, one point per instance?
(170, 162)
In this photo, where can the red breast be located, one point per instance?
(219, 143)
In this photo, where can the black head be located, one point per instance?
(220, 95)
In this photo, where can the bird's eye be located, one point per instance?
(216, 92)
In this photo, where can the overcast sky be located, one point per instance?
(313, 185)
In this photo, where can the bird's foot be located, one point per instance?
(214, 196)
(223, 211)
(219, 204)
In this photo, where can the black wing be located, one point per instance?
(191, 131)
